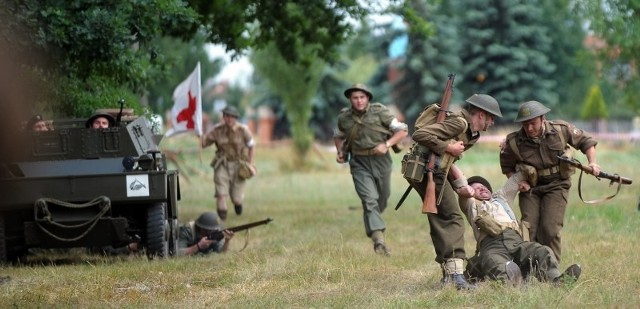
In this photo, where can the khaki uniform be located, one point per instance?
(231, 146)
(371, 173)
(447, 226)
(543, 208)
(499, 239)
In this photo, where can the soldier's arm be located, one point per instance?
(436, 136)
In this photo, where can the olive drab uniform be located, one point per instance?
(499, 238)
(187, 237)
(543, 208)
(447, 226)
(231, 146)
(371, 173)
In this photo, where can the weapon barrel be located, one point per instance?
(588, 169)
(249, 225)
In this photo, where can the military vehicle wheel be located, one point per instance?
(157, 231)
(3, 243)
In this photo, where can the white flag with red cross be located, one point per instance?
(186, 114)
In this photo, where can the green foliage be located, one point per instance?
(296, 85)
(506, 48)
(594, 106)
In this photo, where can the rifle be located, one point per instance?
(613, 177)
(218, 235)
(429, 202)
(584, 168)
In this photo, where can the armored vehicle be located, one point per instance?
(75, 186)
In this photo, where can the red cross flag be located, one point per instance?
(186, 114)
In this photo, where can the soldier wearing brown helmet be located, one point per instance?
(449, 139)
(365, 133)
(534, 148)
(193, 237)
(234, 146)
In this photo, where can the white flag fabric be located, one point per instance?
(186, 114)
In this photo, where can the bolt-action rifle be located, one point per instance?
(584, 168)
(218, 235)
(429, 203)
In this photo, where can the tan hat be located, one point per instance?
(358, 87)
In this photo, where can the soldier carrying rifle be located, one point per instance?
(440, 141)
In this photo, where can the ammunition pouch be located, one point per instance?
(488, 224)
(413, 166)
(245, 170)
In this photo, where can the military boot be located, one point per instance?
(378, 243)
(570, 275)
(513, 273)
(453, 273)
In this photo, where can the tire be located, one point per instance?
(3, 242)
(157, 232)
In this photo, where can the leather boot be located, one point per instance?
(238, 209)
(222, 213)
(513, 273)
(378, 243)
(453, 273)
(570, 275)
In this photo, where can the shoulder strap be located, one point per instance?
(560, 132)
(514, 148)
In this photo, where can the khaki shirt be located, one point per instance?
(498, 207)
(231, 142)
(364, 137)
(436, 136)
(542, 154)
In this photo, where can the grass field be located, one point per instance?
(315, 254)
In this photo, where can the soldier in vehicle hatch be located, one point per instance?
(100, 121)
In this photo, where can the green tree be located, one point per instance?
(594, 107)
(505, 52)
(296, 84)
(617, 22)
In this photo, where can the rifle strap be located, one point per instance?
(606, 198)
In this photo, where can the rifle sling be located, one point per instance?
(606, 198)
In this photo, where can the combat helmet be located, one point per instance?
(529, 110)
(110, 119)
(231, 111)
(481, 180)
(359, 87)
(208, 221)
(486, 103)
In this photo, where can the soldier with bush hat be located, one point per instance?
(535, 147)
(193, 236)
(365, 133)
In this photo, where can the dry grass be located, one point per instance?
(315, 254)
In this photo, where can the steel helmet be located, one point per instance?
(486, 103)
(358, 87)
(529, 110)
(481, 180)
(208, 221)
(231, 111)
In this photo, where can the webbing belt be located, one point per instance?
(549, 171)
(363, 152)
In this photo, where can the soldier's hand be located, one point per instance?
(456, 148)
(228, 234)
(340, 157)
(595, 169)
(466, 191)
(524, 186)
(381, 149)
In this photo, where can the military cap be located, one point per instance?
(231, 111)
(480, 180)
(358, 87)
(89, 123)
(529, 110)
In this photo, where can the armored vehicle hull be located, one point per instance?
(80, 187)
